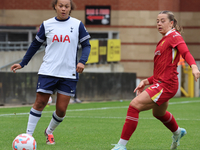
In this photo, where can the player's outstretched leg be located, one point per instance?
(176, 138)
(169, 121)
(128, 128)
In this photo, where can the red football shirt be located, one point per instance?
(167, 56)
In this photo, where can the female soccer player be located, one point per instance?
(164, 80)
(59, 70)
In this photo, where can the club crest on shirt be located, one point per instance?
(157, 53)
(71, 29)
(162, 43)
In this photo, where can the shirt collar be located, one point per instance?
(62, 20)
(170, 31)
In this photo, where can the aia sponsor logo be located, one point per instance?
(61, 38)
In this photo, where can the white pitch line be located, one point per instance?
(102, 108)
(123, 118)
(185, 102)
(95, 117)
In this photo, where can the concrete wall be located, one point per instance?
(33, 65)
(20, 88)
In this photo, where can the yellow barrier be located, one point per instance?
(188, 71)
(114, 50)
(94, 53)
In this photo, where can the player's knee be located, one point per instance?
(40, 104)
(155, 115)
(60, 112)
(135, 103)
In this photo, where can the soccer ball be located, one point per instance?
(24, 142)
(50, 100)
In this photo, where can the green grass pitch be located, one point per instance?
(95, 126)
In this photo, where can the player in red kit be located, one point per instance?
(164, 82)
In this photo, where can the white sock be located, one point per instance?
(123, 142)
(55, 121)
(177, 132)
(34, 117)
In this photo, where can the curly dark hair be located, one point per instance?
(73, 6)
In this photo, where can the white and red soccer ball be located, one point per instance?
(50, 101)
(24, 142)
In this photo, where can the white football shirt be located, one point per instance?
(62, 37)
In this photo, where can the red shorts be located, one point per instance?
(160, 94)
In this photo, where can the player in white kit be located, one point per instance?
(59, 70)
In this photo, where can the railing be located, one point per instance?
(15, 46)
(18, 60)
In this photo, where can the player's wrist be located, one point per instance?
(193, 66)
(146, 81)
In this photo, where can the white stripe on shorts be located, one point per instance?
(157, 96)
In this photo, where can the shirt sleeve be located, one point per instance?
(176, 39)
(83, 34)
(40, 36)
(84, 41)
(85, 51)
(184, 51)
(150, 79)
(35, 45)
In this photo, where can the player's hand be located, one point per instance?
(80, 67)
(195, 72)
(140, 87)
(15, 67)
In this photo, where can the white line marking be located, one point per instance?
(185, 102)
(102, 108)
(123, 118)
(94, 117)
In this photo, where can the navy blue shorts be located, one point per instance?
(49, 84)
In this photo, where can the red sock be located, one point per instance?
(169, 121)
(130, 123)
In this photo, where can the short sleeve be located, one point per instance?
(40, 36)
(176, 39)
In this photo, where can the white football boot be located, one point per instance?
(119, 147)
(176, 139)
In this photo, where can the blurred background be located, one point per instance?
(123, 38)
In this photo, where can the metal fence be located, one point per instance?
(16, 46)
